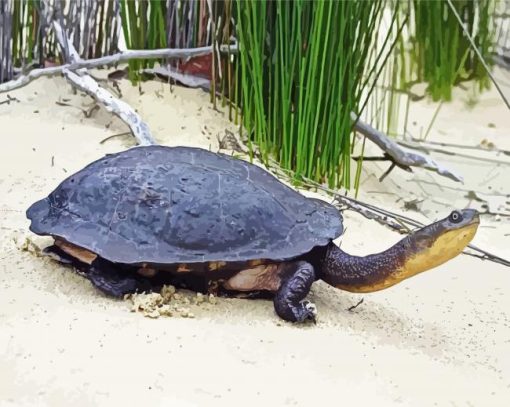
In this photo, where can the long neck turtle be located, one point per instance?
(187, 214)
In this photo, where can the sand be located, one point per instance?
(442, 338)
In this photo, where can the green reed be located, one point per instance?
(26, 39)
(441, 54)
(304, 67)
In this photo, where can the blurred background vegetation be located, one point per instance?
(301, 69)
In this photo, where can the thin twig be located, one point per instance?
(169, 72)
(427, 149)
(86, 112)
(477, 51)
(434, 117)
(384, 217)
(376, 214)
(124, 56)
(390, 219)
(487, 256)
(462, 146)
(126, 133)
(421, 181)
(353, 307)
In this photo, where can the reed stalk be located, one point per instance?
(304, 67)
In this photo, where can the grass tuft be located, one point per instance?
(304, 67)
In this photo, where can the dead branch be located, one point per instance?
(478, 53)
(391, 219)
(418, 146)
(483, 146)
(139, 128)
(387, 218)
(124, 56)
(87, 84)
(397, 154)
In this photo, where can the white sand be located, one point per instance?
(442, 338)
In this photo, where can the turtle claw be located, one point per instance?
(310, 311)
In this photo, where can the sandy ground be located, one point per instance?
(442, 338)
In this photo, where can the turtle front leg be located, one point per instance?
(289, 301)
(116, 283)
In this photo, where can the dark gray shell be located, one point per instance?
(164, 205)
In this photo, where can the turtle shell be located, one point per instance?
(166, 205)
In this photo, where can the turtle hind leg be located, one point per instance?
(103, 275)
(289, 301)
(116, 283)
(61, 256)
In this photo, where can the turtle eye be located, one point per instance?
(455, 217)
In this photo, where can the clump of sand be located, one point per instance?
(169, 302)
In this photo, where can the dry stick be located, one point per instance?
(23, 80)
(462, 146)
(399, 156)
(477, 51)
(126, 133)
(168, 53)
(139, 128)
(427, 149)
(387, 218)
(353, 307)
(87, 84)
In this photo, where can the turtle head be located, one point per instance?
(422, 250)
(437, 243)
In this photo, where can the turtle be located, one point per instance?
(153, 215)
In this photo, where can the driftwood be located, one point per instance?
(427, 149)
(399, 223)
(399, 156)
(138, 127)
(167, 53)
(87, 84)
